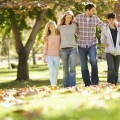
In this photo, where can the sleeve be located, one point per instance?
(100, 23)
(59, 43)
(103, 36)
(76, 30)
(76, 20)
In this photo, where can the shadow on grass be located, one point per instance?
(7, 71)
(69, 114)
(28, 83)
(43, 67)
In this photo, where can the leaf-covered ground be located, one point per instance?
(36, 100)
(45, 103)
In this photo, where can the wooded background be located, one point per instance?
(22, 23)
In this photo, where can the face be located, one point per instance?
(68, 18)
(111, 21)
(91, 12)
(52, 28)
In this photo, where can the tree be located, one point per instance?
(14, 13)
(117, 9)
(22, 50)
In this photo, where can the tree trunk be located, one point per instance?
(33, 56)
(117, 10)
(24, 51)
(23, 72)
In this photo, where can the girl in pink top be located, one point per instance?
(51, 50)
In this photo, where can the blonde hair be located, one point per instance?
(62, 20)
(47, 32)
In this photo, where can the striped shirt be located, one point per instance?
(87, 29)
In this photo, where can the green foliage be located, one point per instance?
(23, 14)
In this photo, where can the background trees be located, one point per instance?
(26, 19)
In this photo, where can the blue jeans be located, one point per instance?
(68, 56)
(53, 65)
(83, 54)
(113, 68)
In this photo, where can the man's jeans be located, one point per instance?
(113, 68)
(53, 65)
(68, 56)
(83, 54)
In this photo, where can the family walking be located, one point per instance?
(60, 42)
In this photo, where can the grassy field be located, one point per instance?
(35, 100)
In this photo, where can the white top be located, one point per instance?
(67, 33)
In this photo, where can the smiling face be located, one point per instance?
(91, 12)
(52, 28)
(111, 21)
(68, 19)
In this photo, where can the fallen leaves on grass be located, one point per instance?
(29, 113)
(13, 96)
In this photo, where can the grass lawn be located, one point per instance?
(35, 100)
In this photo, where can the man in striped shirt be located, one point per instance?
(87, 23)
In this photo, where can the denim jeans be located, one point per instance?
(83, 54)
(113, 68)
(68, 56)
(53, 65)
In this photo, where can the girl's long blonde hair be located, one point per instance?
(47, 32)
(62, 20)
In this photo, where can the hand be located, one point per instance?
(116, 22)
(105, 45)
(44, 59)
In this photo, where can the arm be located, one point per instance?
(76, 30)
(45, 50)
(103, 39)
(76, 20)
(100, 23)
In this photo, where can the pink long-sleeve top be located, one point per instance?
(52, 46)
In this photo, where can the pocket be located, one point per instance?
(74, 50)
(117, 50)
(111, 49)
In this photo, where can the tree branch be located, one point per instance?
(16, 32)
(35, 30)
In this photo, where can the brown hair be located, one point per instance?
(62, 20)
